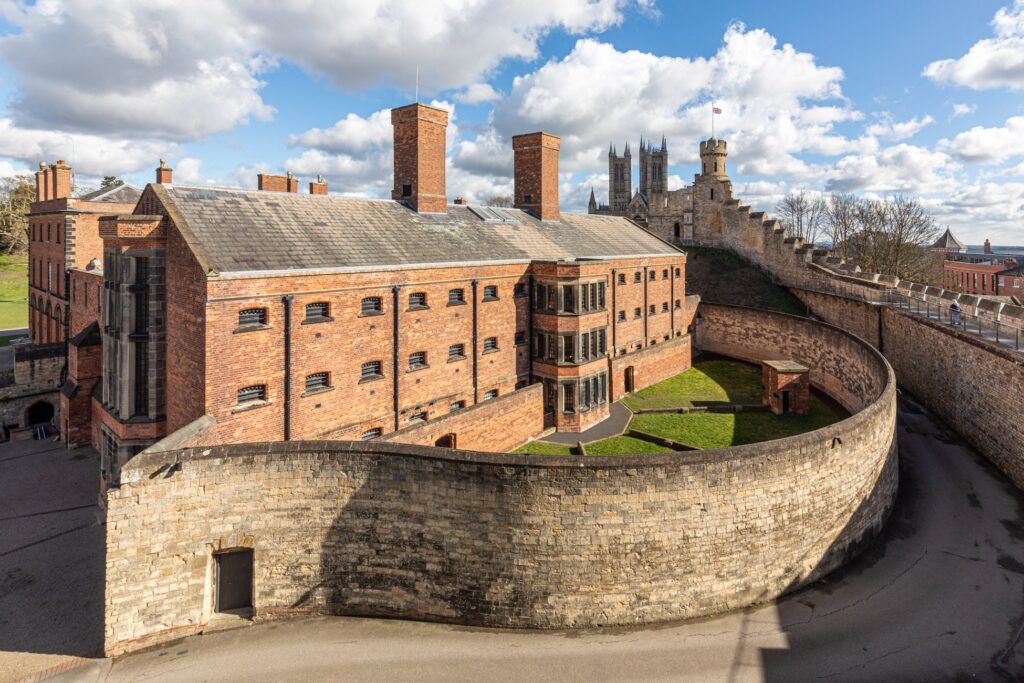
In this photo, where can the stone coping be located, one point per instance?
(149, 460)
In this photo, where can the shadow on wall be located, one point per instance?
(376, 562)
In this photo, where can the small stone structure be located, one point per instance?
(787, 387)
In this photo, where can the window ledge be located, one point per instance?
(372, 378)
(418, 308)
(456, 359)
(491, 298)
(484, 353)
(369, 314)
(249, 405)
(456, 303)
(417, 368)
(314, 321)
(313, 392)
(251, 328)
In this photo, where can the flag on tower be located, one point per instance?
(716, 110)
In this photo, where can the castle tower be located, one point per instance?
(620, 179)
(712, 158)
(653, 168)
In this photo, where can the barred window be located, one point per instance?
(318, 380)
(417, 360)
(678, 303)
(622, 316)
(519, 289)
(456, 352)
(256, 392)
(637, 312)
(677, 272)
(664, 274)
(490, 292)
(622, 278)
(650, 275)
(371, 433)
(664, 306)
(636, 276)
(418, 417)
(600, 295)
(418, 300)
(457, 406)
(252, 316)
(490, 344)
(371, 305)
(456, 296)
(488, 395)
(371, 370)
(651, 310)
(318, 310)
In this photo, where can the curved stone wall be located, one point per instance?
(510, 540)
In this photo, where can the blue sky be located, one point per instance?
(922, 98)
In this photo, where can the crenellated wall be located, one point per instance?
(494, 539)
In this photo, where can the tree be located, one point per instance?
(110, 181)
(802, 215)
(892, 237)
(16, 193)
(498, 200)
(840, 222)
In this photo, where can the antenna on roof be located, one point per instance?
(417, 98)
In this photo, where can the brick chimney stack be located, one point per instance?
(277, 183)
(460, 201)
(60, 180)
(163, 173)
(536, 174)
(318, 187)
(42, 183)
(419, 157)
(988, 247)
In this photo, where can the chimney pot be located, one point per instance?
(164, 173)
(419, 147)
(319, 186)
(460, 201)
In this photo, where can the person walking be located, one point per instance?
(954, 314)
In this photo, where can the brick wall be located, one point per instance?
(649, 366)
(185, 346)
(500, 425)
(86, 299)
(501, 539)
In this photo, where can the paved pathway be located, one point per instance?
(51, 557)
(939, 598)
(1003, 335)
(613, 425)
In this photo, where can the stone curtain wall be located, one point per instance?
(836, 358)
(36, 377)
(502, 539)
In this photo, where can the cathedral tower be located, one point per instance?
(620, 179)
(653, 168)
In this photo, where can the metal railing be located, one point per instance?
(992, 330)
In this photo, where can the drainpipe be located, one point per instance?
(647, 340)
(394, 358)
(672, 300)
(476, 359)
(529, 323)
(287, 300)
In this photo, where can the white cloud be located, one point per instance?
(961, 109)
(776, 102)
(897, 130)
(988, 145)
(477, 93)
(7, 169)
(983, 210)
(900, 168)
(351, 135)
(996, 62)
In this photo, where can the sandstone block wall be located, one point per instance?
(502, 539)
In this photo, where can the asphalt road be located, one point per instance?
(939, 597)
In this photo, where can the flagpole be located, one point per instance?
(712, 120)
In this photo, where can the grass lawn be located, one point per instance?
(543, 448)
(13, 292)
(708, 382)
(715, 430)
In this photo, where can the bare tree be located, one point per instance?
(498, 200)
(840, 222)
(892, 237)
(16, 193)
(802, 215)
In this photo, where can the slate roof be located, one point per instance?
(122, 194)
(248, 230)
(947, 241)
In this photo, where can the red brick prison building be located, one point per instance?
(64, 237)
(282, 315)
